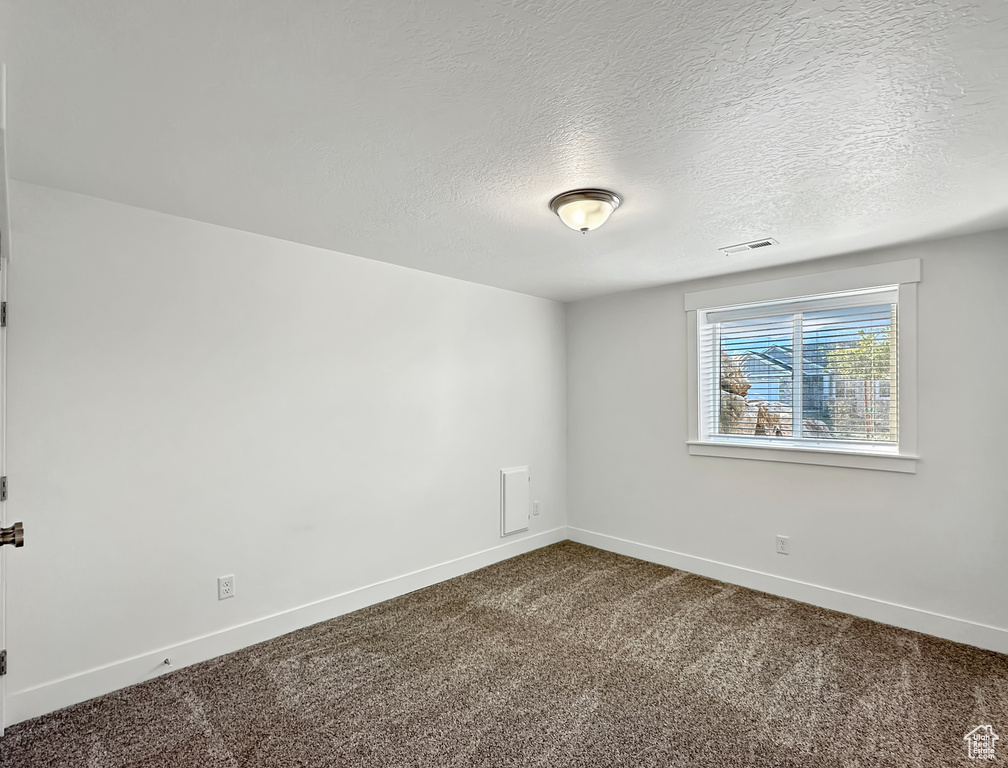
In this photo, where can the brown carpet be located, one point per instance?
(567, 656)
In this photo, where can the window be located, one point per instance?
(793, 371)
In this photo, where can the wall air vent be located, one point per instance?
(731, 250)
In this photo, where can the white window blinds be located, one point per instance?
(816, 370)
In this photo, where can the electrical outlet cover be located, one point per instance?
(783, 545)
(225, 587)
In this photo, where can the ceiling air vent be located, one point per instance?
(731, 250)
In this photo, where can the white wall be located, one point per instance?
(187, 401)
(926, 550)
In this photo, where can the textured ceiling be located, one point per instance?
(433, 134)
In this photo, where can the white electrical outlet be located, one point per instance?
(225, 587)
(783, 545)
(535, 507)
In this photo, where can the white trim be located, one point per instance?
(906, 374)
(5, 251)
(891, 273)
(53, 695)
(891, 462)
(903, 274)
(693, 420)
(915, 619)
(5, 241)
(56, 694)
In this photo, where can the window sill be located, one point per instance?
(888, 462)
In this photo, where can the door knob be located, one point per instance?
(14, 535)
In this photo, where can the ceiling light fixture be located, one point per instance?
(585, 209)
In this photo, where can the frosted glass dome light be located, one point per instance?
(585, 209)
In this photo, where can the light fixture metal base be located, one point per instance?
(604, 195)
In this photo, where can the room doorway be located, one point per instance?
(4, 262)
(9, 533)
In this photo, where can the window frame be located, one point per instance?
(904, 275)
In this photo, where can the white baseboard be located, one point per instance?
(948, 627)
(56, 694)
(53, 695)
